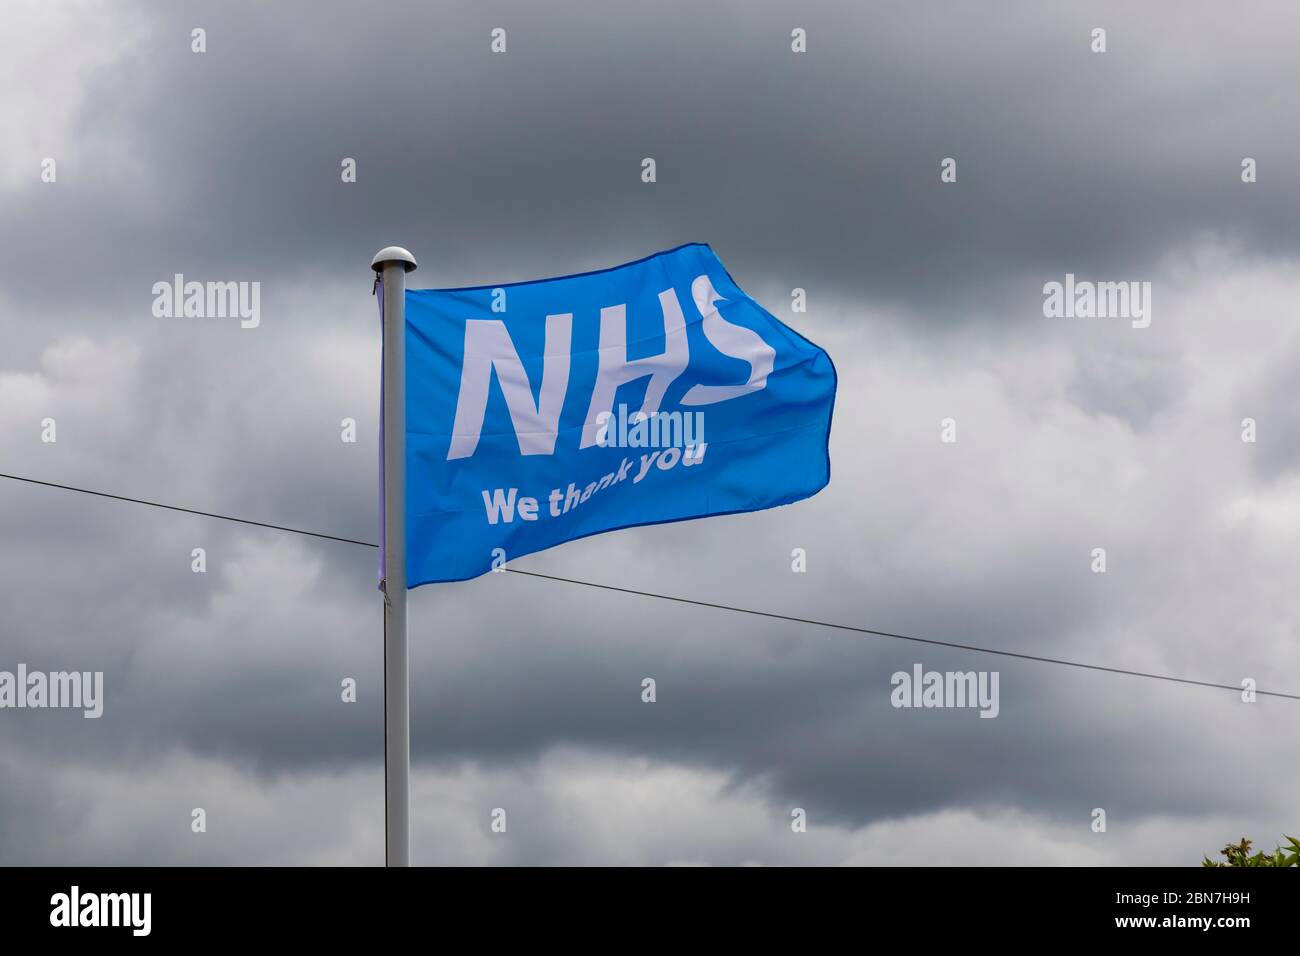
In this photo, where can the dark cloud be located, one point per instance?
(819, 171)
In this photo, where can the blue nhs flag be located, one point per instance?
(540, 412)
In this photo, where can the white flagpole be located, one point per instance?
(392, 263)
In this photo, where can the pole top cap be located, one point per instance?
(393, 254)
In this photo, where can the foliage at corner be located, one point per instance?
(1238, 854)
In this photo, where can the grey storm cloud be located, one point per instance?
(818, 171)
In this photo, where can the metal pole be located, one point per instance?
(393, 263)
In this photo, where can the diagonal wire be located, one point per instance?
(900, 637)
(191, 511)
(770, 615)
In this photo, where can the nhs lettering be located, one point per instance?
(507, 411)
(488, 349)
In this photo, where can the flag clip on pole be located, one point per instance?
(392, 264)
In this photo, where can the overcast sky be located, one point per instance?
(816, 170)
